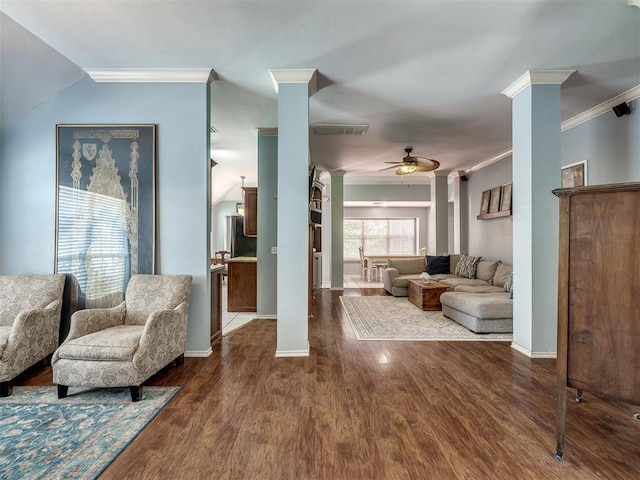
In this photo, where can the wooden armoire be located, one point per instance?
(598, 295)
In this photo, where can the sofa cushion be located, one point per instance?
(480, 305)
(111, 344)
(438, 264)
(458, 281)
(502, 272)
(466, 266)
(486, 270)
(478, 289)
(407, 266)
(442, 276)
(402, 281)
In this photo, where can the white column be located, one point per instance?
(439, 215)
(337, 229)
(536, 172)
(294, 88)
(460, 213)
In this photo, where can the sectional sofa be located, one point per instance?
(480, 291)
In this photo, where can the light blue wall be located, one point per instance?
(493, 239)
(28, 180)
(611, 146)
(417, 193)
(267, 267)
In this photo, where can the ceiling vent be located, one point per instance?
(339, 129)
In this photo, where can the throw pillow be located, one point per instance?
(466, 267)
(508, 283)
(502, 272)
(454, 261)
(437, 264)
(486, 270)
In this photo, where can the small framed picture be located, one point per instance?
(505, 202)
(484, 202)
(494, 203)
(574, 175)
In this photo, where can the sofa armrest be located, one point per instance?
(84, 322)
(34, 332)
(163, 338)
(388, 275)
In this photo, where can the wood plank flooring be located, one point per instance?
(371, 410)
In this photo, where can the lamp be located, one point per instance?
(408, 168)
(240, 205)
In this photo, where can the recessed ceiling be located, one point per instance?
(423, 73)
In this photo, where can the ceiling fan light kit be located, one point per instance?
(411, 164)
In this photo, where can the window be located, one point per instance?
(379, 235)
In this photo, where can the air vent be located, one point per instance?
(339, 129)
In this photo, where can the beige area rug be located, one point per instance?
(395, 318)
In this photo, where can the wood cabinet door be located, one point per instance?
(250, 211)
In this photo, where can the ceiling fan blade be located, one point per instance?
(396, 163)
(388, 168)
(427, 168)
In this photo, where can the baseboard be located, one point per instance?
(266, 317)
(530, 354)
(198, 353)
(293, 353)
(337, 288)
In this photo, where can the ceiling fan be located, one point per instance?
(411, 163)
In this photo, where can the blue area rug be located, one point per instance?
(42, 437)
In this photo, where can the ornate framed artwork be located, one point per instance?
(105, 208)
(505, 202)
(574, 175)
(484, 202)
(494, 203)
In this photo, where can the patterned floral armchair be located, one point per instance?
(125, 345)
(29, 323)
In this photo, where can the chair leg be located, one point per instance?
(136, 393)
(179, 362)
(6, 389)
(62, 391)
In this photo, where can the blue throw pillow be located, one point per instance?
(437, 264)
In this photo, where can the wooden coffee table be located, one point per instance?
(426, 296)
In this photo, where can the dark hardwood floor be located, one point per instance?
(371, 410)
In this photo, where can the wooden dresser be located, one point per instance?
(598, 303)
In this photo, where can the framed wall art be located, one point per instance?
(484, 202)
(505, 202)
(105, 208)
(574, 175)
(494, 204)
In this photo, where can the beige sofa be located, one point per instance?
(482, 303)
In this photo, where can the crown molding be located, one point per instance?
(438, 173)
(536, 77)
(152, 75)
(268, 131)
(298, 75)
(604, 107)
(634, 2)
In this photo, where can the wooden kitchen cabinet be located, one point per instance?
(250, 201)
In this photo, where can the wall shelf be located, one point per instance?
(487, 216)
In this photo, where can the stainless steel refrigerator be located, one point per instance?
(239, 245)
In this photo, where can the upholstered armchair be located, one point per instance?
(125, 345)
(29, 323)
